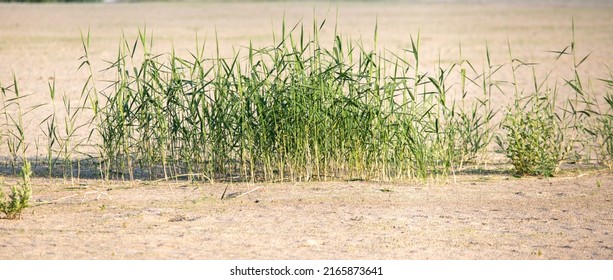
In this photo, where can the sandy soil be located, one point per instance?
(478, 217)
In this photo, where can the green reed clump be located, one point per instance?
(588, 120)
(296, 110)
(302, 110)
(539, 133)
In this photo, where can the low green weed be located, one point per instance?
(534, 139)
(19, 197)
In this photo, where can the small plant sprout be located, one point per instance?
(19, 197)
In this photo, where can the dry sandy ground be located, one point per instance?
(479, 217)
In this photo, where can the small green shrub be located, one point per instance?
(19, 197)
(534, 138)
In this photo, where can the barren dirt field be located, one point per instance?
(479, 217)
(488, 215)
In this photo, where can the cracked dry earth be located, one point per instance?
(478, 217)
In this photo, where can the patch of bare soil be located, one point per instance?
(478, 217)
